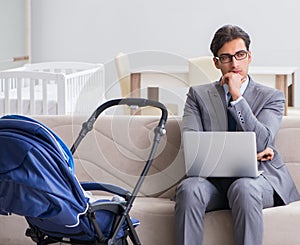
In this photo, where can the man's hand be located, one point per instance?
(265, 155)
(234, 81)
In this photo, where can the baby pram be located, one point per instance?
(37, 181)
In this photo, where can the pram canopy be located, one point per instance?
(37, 181)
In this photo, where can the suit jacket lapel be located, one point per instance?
(251, 94)
(218, 113)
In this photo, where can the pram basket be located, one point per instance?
(68, 215)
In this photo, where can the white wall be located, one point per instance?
(14, 35)
(96, 30)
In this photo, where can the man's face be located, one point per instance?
(234, 47)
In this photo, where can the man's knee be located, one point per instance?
(191, 191)
(243, 192)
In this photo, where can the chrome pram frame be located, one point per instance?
(120, 209)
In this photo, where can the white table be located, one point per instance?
(159, 76)
(181, 74)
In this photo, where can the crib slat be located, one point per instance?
(7, 96)
(61, 94)
(45, 96)
(19, 86)
(32, 97)
(71, 91)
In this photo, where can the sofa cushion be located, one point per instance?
(288, 145)
(157, 220)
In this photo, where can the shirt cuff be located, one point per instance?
(232, 103)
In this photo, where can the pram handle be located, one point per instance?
(139, 102)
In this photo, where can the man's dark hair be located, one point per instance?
(226, 34)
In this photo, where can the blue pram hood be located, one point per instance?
(36, 174)
(37, 181)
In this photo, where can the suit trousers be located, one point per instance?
(246, 197)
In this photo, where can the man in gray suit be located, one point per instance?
(234, 103)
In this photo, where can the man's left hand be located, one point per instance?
(265, 155)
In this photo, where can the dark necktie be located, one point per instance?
(231, 121)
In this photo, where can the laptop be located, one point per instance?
(220, 154)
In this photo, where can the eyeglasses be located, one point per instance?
(227, 58)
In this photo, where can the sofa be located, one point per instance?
(115, 152)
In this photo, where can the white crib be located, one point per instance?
(52, 88)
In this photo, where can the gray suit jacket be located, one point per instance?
(260, 111)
